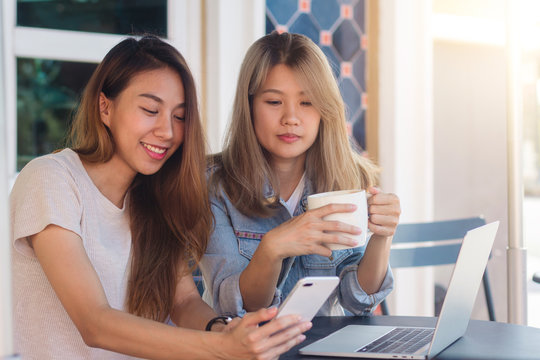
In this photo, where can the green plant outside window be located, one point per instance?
(48, 92)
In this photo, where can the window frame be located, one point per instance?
(183, 23)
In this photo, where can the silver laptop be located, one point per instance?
(387, 342)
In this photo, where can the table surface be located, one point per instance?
(482, 340)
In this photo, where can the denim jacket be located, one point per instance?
(234, 240)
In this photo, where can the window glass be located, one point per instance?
(47, 95)
(102, 16)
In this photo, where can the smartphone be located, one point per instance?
(307, 296)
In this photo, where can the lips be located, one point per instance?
(288, 138)
(154, 151)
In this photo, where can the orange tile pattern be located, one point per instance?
(339, 28)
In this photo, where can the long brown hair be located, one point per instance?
(169, 210)
(331, 164)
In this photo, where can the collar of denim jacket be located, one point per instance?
(269, 194)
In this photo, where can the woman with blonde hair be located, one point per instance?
(287, 140)
(104, 232)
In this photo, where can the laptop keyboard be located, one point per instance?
(400, 341)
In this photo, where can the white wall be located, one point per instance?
(469, 114)
(405, 132)
(231, 27)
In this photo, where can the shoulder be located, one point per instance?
(49, 161)
(219, 199)
(211, 170)
(57, 165)
(53, 176)
(214, 163)
(45, 192)
(214, 174)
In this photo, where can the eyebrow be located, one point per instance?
(279, 91)
(160, 100)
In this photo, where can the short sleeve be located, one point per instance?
(44, 193)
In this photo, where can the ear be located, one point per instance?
(105, 107)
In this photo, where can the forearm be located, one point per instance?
(192, 314)
(258, 281)
(374, 264)
(121, 332)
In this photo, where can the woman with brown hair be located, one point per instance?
(287, 140)
(104, 232)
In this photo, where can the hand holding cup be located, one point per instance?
(358, 218)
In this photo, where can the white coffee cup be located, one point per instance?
(358, 218)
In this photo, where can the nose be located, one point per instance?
(163, 128)
(290, 115)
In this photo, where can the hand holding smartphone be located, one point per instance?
(307, 296)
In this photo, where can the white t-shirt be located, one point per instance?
(292, 203)
(56, 189)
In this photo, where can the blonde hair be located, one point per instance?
(331, 163)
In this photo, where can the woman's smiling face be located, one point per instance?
(146, 120)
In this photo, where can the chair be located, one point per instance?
(198, 279)
(432, 244)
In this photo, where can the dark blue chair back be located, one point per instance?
(197, 277)
(431, 244)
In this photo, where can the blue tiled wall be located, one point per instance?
(338, 27)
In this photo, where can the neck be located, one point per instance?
(111, 182)
(289, 174)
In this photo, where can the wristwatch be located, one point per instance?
(218, 319)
